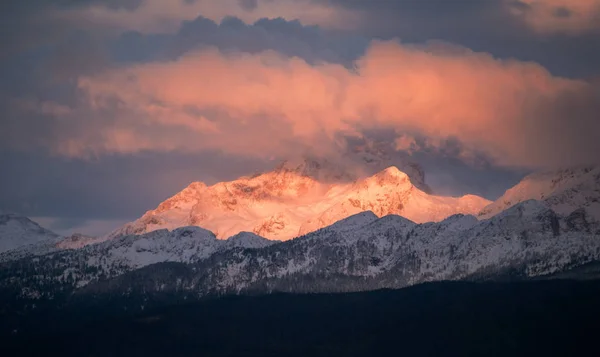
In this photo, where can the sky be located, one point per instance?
(111, 106)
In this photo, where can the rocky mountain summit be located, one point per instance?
(295, 199)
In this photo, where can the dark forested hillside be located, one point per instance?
(534, 318)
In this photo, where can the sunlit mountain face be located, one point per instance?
(158, 152)
(294, 200)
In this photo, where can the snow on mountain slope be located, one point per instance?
(46, 246)
(377, 156)
(296, 199)
(354, 222)
(18, 232)
(77, 240)
(185, 244)
(247, 240)
(527, 240)
(124, 254)
(391, 192)
(564, 191)
(361, 252)
(270, 205)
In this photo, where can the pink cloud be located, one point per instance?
(515, 112)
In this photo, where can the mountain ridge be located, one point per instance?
(18, 232)
(289, 201)
(564, 190)
(365, 250)
(362, 252)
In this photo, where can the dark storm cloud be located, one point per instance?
(287, 37)
(38, 71)
(26, 24)
(482, 26)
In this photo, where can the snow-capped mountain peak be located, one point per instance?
(17, 231)
(392, 192)
(297, 198)
(247, 240)
(353, 222)
(392, 175)
(564, 190)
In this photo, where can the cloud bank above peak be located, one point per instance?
(514, 113)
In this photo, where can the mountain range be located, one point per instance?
(397, 235)
(296, 199)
